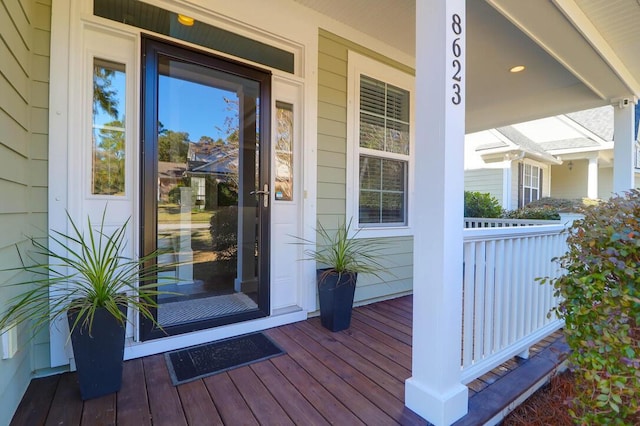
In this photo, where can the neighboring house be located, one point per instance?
(341, 110)
(564, 156)
(508, 165)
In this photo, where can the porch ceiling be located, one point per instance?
(579, 54)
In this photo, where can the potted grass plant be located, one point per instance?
(87, 279)
(340, 257)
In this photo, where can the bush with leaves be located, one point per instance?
(537, 213)
(477, 204)
(600, 295)
(564, 205)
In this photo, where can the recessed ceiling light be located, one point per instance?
(185, 20)
(517, 68)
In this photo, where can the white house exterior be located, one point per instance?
(311, 86)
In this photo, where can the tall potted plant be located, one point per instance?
(90, 281)
(340, 258)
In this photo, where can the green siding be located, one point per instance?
(24, 75)
(332, 163)
(485, 180)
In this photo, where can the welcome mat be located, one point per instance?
(208, 359)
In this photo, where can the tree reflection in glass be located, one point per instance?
(108, 138)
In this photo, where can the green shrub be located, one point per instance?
(600, 295)
(538, 213)
(478, 204)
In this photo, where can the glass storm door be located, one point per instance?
(205, 192)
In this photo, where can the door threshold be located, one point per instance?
(134, 350)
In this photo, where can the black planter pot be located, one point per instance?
(99, 356)
(336, 293)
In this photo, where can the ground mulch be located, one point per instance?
(548, 406)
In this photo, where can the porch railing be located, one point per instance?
(504, 308)
(479, 222)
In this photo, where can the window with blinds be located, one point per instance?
(384, 141)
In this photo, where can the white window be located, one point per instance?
(379, 147)
(531, 184)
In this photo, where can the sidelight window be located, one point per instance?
(108, 136)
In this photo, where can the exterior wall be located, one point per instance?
(572, 183)
(332, 158)
(605, 183)
(24, 75)
(485, 180)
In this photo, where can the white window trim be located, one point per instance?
(357, 65)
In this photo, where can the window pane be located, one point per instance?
(108, 128)
(370, 173)
(397, 140)
(384, 117)
(392, 208)
(397, 104)
(284, 152)
(382, 190)
(393, 178)
(369, 207)
(371, 132)
(372, 96)
(527, 196)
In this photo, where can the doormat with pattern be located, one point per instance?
(208, 359)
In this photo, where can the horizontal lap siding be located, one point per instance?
(485, 180)
(24, 98)
(332, 164)
(332, 131)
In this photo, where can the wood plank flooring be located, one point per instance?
(354, 377)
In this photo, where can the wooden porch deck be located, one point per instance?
(351, 377)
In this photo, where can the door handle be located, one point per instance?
(264, 192)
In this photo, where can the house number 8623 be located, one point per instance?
(456, 27)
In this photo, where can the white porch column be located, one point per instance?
(624, 146)
(592, 178)
(434, 391)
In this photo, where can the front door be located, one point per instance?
(205, 187)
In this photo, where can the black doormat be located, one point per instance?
(204, 360)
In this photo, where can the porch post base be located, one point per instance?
(437, 408)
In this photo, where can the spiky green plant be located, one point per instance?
(343, 253)
(85, 272)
